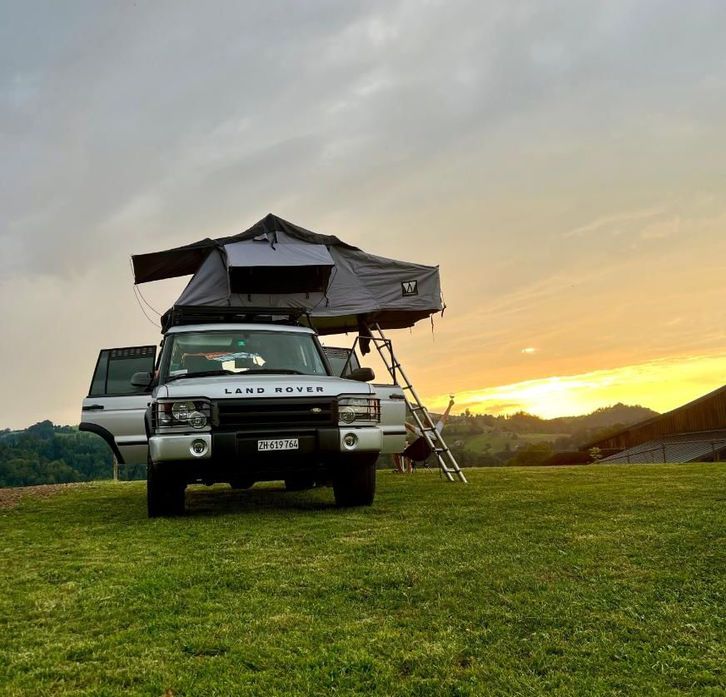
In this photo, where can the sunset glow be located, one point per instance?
(661, 385)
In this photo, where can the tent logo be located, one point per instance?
(409, 288)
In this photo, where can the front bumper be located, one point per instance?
(174, 446)
(230, 447)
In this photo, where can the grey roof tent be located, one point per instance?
(277, 264)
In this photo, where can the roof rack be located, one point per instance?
(202, 314)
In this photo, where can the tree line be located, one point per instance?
(48, 454)
(505, 442)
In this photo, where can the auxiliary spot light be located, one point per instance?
(198, 447)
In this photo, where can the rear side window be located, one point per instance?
(339, 360)
(115, 367)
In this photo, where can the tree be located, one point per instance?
(595, 454)
(532, 454)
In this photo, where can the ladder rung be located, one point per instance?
(446, 460)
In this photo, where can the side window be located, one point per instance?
(98, 385)
(115, 367)
(337, 357)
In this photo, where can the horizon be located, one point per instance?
(562, 165)
(453, 413)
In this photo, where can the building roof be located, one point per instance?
(707, 413)
(686, 447)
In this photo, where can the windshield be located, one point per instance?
(241, 351)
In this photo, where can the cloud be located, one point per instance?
(107, 105)
(616, 224)
(519, 145)
(661, 229)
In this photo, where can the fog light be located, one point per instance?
(198, 420)
(198, 447)
(350, 440)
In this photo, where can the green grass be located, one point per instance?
(599, 580)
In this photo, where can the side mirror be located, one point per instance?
(361, 375)
(141, 379)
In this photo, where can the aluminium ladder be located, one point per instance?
(445, 458)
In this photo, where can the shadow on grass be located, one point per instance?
(125, 504)
(206, 501)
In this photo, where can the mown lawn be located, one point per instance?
(598, 580)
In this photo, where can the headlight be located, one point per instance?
(197, 419)
(181, 410)
(358, 409)
(182, 415)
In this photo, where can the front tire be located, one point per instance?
(355, 484)
(164, 492)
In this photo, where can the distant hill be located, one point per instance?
(521, 438)
(48, 454)
(522, 422)
(604, 418)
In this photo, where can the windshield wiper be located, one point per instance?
(271, 371)
(201, 374)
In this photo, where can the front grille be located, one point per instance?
(250, 414)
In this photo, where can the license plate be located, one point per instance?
(277, 444)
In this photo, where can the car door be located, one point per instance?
(114, 408)
(393, 417)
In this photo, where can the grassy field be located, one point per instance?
(598, 580)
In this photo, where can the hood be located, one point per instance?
(259, 386)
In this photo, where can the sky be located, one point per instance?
(563, 162)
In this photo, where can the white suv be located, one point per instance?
(241, 403)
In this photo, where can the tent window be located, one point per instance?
(278, 279)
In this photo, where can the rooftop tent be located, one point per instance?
(276, 264)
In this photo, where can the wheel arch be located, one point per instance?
(106, 435)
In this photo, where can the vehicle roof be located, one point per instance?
(227, 326)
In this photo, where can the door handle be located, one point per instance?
(94, 407)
